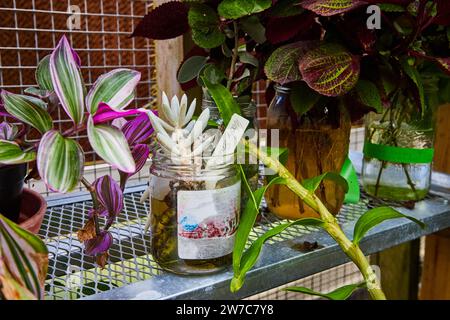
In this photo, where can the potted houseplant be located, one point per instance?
(57, 158)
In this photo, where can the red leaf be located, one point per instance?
(330, 69)
(443, 15)
(444, 64)
(281, 29)
(167, 21)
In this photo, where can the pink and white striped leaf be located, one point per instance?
(23, 262)
(138, 130)
(67, 81)
(140, 154)
(105, 113)
(109, 195)
(29, 110)
(330, 69)
(60, 162)
(8, 131)
(11, 153)
(100, 244)
(331, 7)
(110, 144)
(115, 88)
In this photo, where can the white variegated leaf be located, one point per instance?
(115, 88)
(67, 81)
(111, 145)
(60, 162)
(29, 110)
(11, 153)
(43, 76)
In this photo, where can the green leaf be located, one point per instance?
(303, 98)
(254, 28)
(235, 9)
(342, 293)
(313, 183)
(115, 88)
(60, 162)
(279, 154)
(111, 145)
(204, 23)
(250, 256)
(414, 75)
(330, 69)
(11, 153)
(282, 65)
(213, 74)
(376, 216)
(67, 81)
(369, 95)
(223, 99)
(246, 57)
(24, 262)
(191, 68)
(286, 8)
(43, 76)
(391, 7)
(28, 109)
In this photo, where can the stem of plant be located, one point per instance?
(91, 190)
(331, 225)
(235, 55)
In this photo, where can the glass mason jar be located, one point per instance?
(317, 142)
(194, 212)
(248, 111)
(398, 151)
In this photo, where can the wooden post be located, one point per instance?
(169, 55)
(436, 267)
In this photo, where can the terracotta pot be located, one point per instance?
(32, 211)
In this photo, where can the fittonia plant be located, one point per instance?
(56, 157)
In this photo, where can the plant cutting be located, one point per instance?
(194, 190)
(56, 157)
(323, 59)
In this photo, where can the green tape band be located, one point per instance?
(348, 172)
(397, 154)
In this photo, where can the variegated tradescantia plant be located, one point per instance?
(57, 158)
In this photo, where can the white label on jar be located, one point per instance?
(207, 222)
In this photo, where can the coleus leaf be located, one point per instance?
(281, 66)
(23, 262)
(60, 162)
(330, 69)
(110, 144)
(109, 195)
(281, 29)
(330, 7)
(204, 23)
(166, 21)
(235, 9)
(444, 64)
(115, 88)
(100, 244)
(11, 153)
(138, 130)
(29, 110)
(342, 293)
(67, 81)
(43, 75)
(376, 216)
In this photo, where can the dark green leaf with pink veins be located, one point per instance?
(330, 69)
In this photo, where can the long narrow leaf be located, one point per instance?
(11, 153)
(67, 80)
(60, 162)
(43, 75)
(110, 144)
(115, 88)
(376, 216)
(313, 183)
(23, 262)
(28, 109)
(342, 293)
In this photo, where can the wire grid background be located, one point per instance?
(72, 274)
(30, 29)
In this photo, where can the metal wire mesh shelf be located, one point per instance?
(132, 272)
